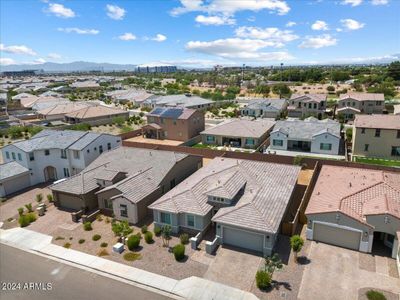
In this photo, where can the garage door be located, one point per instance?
(242, 239)
(337, 236)
(16, 184)
(69, 201)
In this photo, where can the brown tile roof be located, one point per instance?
(362, 96)
(94, 112)
(378, 121)
(356, 192)
(310, 97)
(62, 109)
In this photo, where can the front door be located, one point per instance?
(50, 173)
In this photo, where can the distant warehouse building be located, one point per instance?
(156, 69)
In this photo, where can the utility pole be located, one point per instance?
(280, 89)
(243, 72)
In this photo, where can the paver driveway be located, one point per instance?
(234, 267)
(335, 273)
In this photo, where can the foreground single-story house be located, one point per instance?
(241, 133)
(124, 182)
(13, 177)
(355, 208)
(245, 200)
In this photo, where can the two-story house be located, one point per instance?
(306, 105)
(51, 155)
(174, 123)
(351, 104)
(377, 136)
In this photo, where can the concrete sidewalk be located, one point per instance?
(189, 288)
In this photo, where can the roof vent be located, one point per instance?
(350, 185)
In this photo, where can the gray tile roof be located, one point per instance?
(132, 161)
(241, 128)
(177, 100)
(11, 169)
(268, 188)
(309, 97)
(298, 129)
(58, 139)
(266, 104)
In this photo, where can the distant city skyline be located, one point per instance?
(197, 33)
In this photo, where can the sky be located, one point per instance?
(199, 33)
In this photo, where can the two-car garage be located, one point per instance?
(242, 238)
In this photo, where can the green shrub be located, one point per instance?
(179, 252)
(87, 226)
(139, 235)
(21, 211)
(99, 218)
(50, 198)
(157, 230)
(132, 256)
(39, 198)
(263, 279)
(144, 229)
(67, 245)
(184, 237)
(23, 221)
(81, 241)
(59, 238)
(103, 244)
(375, 295)
(31, 217)
(96, 237)
(148, 237)
(29, 207)
(133, 242)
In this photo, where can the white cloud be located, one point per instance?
(60, 10)
(290, 24)
(251, 19)
(215, 20)
(4, 61)
(229, 7)
(115, 12)
(274, 36)
(17, 49)
(245, 49)
(379, 2)
(127, 37)
(39, 61)
(54, 56)
(351, 2)
(351, 24)
(319, 25)
(159, 38)
(317, 42)
(79, 30)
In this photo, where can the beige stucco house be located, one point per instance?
(306, 105)
(355, 208)
(351, 104)
(377, 136)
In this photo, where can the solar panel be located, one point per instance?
(172, 113)
(157, 111)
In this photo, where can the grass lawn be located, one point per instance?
(376, 161)
(202, 146)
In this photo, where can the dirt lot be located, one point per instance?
(141, 139)
(113, 129)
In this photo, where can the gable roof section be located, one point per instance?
(94, 112)
(172, 112)
(378, 121)
(362, 96)
(11, 169)
(309, 97)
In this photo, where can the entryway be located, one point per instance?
(50, 173)
(382, 244)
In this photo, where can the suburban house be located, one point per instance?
(85, 85)
(125, 181)
(355, 208)
(95, 115)
(180, 124)
(183, 100)
(58, 112)
(13, 177)
(134, 96)
(264, 108)
(244, 200)
(311, 135)
(51, 155)
(239, 133)
(377, 136)
(351, 104)
(306, 105)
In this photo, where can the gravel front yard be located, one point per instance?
(154, 257)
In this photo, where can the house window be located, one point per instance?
(278, 143)
(366, 146)
(19, 156)
(353, 104)
(108, 204)
(123, 210)
(165, 218)
(63, 153)
(398, 134)
(377, 132)
(249, 142)
(315, 105)
(101, 149)
(76, 154)
(108, 146)
(7, 155)
(31, 156)
(190, 220)
(47, 152)
(378, 103)
(66, 172)
(363, 130)
(210, 138)
(13, 155)
(325, 146)
(395, 151)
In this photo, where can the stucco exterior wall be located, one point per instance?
(325, 138)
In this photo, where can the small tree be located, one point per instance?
(121, 229)
(39, 198)
(272, 263)
(166, 235)
(296, 243)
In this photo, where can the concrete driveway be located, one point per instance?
(234, 267)
(335, 273)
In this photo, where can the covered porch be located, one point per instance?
(152, 131)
